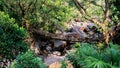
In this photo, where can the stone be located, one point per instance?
(58, 65)
(48, 48)
(56, 53)
(35, 47)
(52, 59)
(55, 65)
(59, 43)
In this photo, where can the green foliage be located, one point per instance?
(115, 10)
(53, 13)
(76, 45)
(73, 59)
(9, 8)
(115, 16)
(47, 15)
(27, 60)
(88, 56)
(100, 45)
(93, 9)
(63, 64)
(11, 37)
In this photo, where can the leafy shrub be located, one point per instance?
(11, 37)
(28, 60)
(88, 56)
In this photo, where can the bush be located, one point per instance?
(28, 60)
(11, 37)
(88, 56)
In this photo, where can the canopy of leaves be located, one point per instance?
(40, 13)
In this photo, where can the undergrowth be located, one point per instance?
(90, 56)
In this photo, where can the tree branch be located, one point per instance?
(80, 7)
(107, 12)
(22, 11)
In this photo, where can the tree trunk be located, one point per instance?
(106, 22)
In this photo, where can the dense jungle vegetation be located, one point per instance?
(31, 28)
